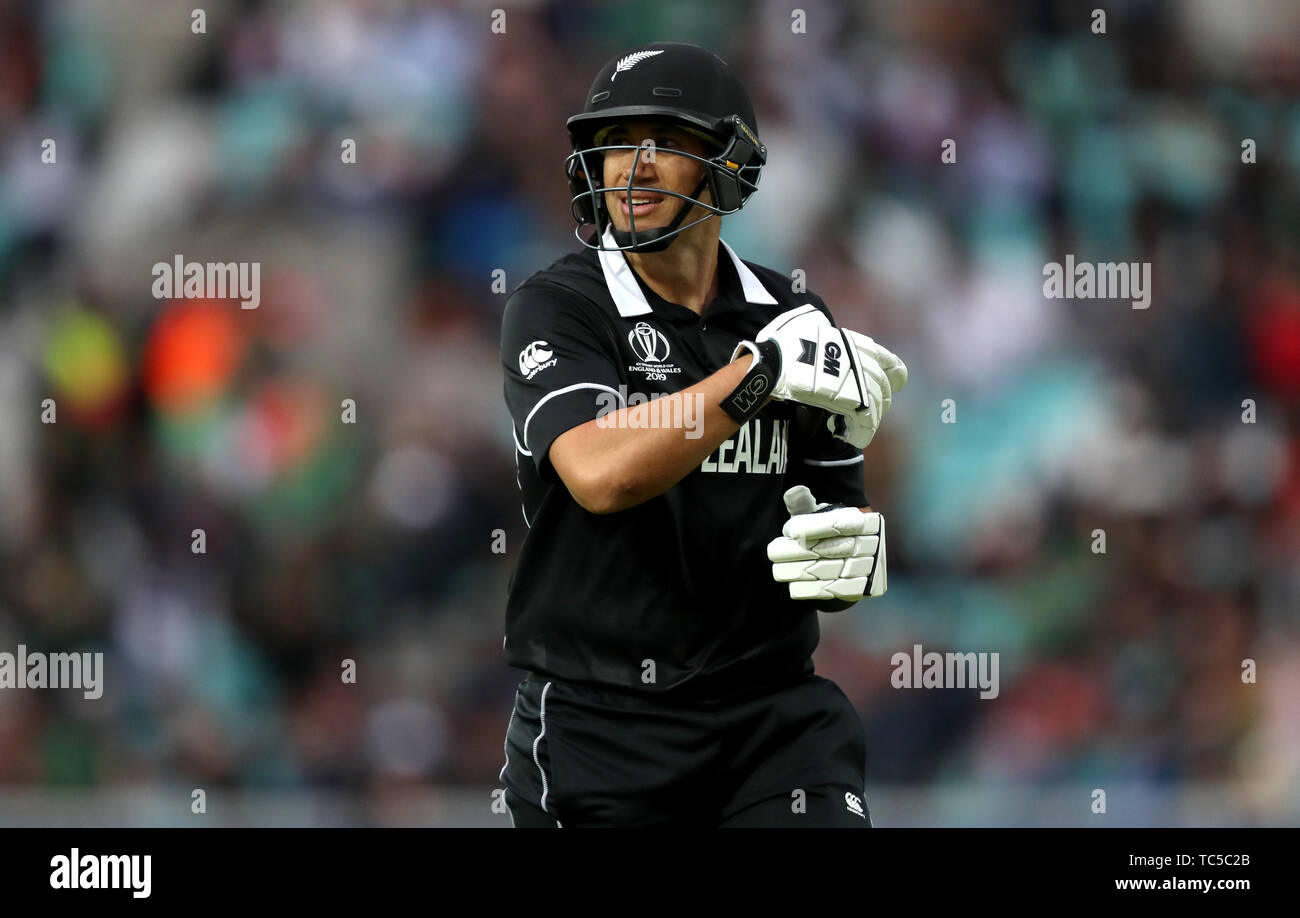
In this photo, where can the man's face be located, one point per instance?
(668, 171)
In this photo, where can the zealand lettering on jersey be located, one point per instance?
(760, 447)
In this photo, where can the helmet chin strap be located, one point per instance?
(654, 240)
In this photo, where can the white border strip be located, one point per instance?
(545, 786)
(550, 395)
(506, 745)
(514, 433)
(833, 462)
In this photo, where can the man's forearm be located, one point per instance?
(631, 455)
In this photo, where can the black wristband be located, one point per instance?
(747, 399)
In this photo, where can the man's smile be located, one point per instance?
(642, 203)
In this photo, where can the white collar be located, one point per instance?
(629, 299)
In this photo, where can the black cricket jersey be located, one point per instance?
(673, 597)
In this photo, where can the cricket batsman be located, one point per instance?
(689, 437)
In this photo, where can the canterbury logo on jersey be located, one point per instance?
(853, 803)
(535, 358)
(761, 447)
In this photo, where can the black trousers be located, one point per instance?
(578, 756)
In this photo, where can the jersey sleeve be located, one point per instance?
(561, 369)
(832, 469)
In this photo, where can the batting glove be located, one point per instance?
(839, 370)
(829, 551)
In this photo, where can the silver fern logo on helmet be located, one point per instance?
(627, 63)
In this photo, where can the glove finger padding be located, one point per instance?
(843, 547)
(820, 566)
(833, 578)
(799, 499)
(893, 366)
(858, 428)
(880, 374)
(830, 589)
(850, 521)
(879, 361)
(782, 550)
(829, 551)
(817, 569)
(870, 372)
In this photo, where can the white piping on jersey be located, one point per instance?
(827, 462)
(542, 717)
(629, 299)
(502, 775)
(550, 395)
(520, 485)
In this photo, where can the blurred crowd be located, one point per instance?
(1108, 497)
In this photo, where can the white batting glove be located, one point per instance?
(839, 370)
(829, 551)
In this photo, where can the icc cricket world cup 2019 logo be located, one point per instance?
(648, 343)
(651, 349)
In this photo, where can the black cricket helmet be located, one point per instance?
(689, 87)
